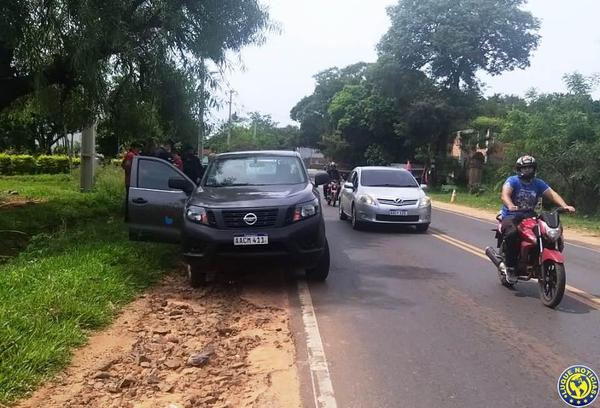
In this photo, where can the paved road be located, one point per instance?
(409, 320)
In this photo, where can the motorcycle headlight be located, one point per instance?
(306, 210)
(197, 215)
(553, 234)
(424, 202)
(367, 199)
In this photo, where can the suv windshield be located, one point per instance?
(255, 171)
(387, 178)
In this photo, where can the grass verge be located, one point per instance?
(77, 270)
(490, 200)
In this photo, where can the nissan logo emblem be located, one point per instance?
(399, 201)
(250, 219)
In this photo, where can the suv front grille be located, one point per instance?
(264, 218)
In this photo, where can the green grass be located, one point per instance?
(78, 269)
(490, 200)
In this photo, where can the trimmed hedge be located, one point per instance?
(27, 164)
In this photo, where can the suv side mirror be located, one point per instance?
(348, 185)
(321, 178)
(424, 186)
(181, 184)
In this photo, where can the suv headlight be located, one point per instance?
(197, 215)
(306, 210)
(367, 199)
(424, 202)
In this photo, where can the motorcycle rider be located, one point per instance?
(520, 195)
(334, 175)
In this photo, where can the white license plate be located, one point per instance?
(398, 212)
(245, 240)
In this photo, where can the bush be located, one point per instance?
(53, 164)
(23, 164)
(6, 164)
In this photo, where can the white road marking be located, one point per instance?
(319, 371)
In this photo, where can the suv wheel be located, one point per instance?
(196, 276)
(320, 272)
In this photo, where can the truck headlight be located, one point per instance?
(424, 202)
(306, 210)
(197, 215)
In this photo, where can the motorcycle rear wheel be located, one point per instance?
(552, 285)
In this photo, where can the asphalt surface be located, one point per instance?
(409, 320)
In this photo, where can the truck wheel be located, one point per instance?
(197, 277)
(320, 272)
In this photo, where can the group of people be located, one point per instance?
(186, 161)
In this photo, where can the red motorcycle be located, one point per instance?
(333, 192)
(540, 255)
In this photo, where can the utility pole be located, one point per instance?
(254, 133)
(88, 156)
(229, 130)
(201, 129)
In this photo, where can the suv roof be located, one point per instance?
(283, 153)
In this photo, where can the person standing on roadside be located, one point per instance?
(191, 165)
(126, 164)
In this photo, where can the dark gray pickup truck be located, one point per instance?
(250, 206)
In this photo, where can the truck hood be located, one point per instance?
(252, 196)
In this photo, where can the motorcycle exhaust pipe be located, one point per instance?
(494, 257)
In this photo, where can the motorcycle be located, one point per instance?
(333, 192)
(540, 255)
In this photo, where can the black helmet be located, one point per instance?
(526, 167)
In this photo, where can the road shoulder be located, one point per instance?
(222, 346)
(571, 234)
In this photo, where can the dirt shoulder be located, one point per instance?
(228, 345)
(571, 234)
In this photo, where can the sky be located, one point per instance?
(319, 34)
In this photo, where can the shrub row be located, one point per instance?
(27, 164)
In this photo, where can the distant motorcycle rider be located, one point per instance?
(334, 175)
(520, 195)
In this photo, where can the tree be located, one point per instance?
(87, 43)
(258, 132)
(453, 40)
(312, 111)
(563, 132)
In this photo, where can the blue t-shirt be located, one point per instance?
(524, 195)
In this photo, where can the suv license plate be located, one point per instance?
(245, 240)
(398, 212)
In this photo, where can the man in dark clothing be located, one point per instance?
(165, 151)
(191, 165)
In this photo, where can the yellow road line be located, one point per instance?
(578, 294)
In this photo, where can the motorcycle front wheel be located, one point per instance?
(552, 284)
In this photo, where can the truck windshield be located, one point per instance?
(255, 171)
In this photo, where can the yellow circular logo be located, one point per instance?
(578, 386)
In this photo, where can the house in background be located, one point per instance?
(491, 150)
